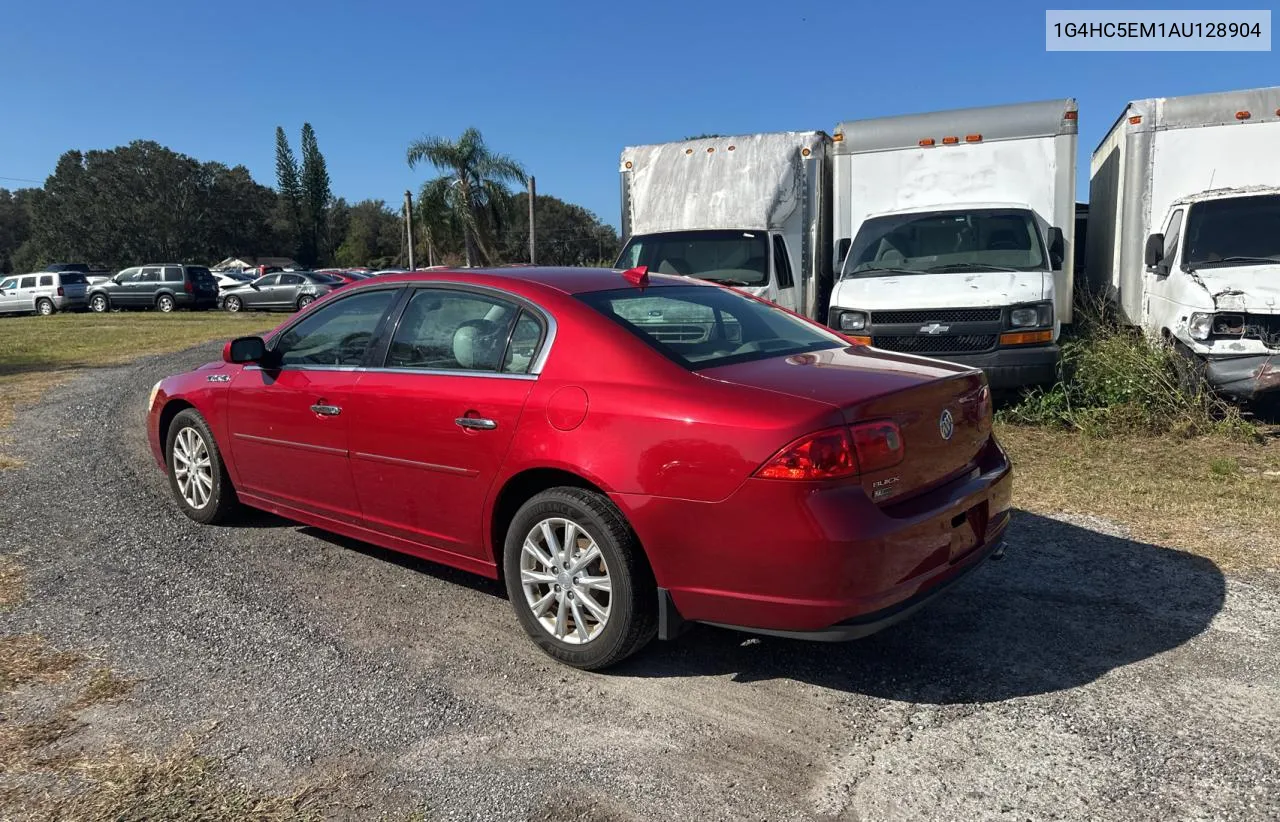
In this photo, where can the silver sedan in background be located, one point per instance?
(281, 291)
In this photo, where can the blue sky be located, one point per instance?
(562, 86)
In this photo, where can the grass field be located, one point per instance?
(37, 353)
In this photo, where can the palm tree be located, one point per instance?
(471, 197)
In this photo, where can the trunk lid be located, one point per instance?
(928, 399)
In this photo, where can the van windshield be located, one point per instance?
(729, 257)
(1233, 231)
(986, 239)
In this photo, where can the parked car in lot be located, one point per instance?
(44, 293)
(163, 286)
(714, 459)
(228, 279)
(283, 291)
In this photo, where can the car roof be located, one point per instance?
(565, 280)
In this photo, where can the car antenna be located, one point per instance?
(638, 276)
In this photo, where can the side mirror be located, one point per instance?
(1154, 254)
(245, 350)
(1057, 247)
(116, 279)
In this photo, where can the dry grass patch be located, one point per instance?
(25, 658)
(10, 582)
(1212, 496)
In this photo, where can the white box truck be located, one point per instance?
(751, 211)
(956, 234)
(1184, 230)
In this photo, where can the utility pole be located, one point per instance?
(408, 224)
(533, 195)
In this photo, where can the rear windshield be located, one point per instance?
(199, 273)
(73, 278)
(703, 327)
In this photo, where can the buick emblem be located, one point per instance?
(946, 425)
(934, 328)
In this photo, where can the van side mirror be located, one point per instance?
(245, 350)
(1154, 254)
(1057, 248)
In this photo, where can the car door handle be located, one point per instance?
(326, 410)
(476, 423)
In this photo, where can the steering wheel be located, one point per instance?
(352, 347)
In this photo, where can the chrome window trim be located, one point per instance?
(450, 372)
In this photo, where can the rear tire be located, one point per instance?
(99, 304)
(232, 305)
(618, 581)
(44, 308)
(305, 300)
(165, 304)
(197, 476)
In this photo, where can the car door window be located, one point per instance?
(9, 284)
(28, 282)
(443, 330)
(782, 263)
(526, 339)
(338, 334)
(129, 275)
(291, 279)
(269, 280)
(150, 275)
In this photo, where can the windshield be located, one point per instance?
(1234, 231)
(702, 327)
(729, 257)
(986, 239)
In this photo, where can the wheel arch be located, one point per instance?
(171, 409)
(519, 489)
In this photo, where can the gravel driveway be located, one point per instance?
(1086, 676)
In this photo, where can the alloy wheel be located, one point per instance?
(193, 468)
(165, 304)
(98, 303)
(565, 580)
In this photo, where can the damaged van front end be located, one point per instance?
(1215, 289)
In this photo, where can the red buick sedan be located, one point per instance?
(629, 452)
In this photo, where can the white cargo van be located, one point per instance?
(956, 234)
(749, 211)
(1184, 230)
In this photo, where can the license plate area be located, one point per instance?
(969, 530)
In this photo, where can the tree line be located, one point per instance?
(144, 202)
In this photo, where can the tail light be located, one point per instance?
(836, 453)
(189, 286)
(61, 291)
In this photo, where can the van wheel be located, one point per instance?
(99, 304)
(578, 579)
(44, 308)
(165, 303)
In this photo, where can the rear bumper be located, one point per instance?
(185, 300)
(819, 559)
(1244, 378)
(70, 303)
(1013, 367)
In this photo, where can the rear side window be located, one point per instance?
(172, 274)
(704, 327)
(291, 279)
(28, 282)
(443, 330)
(46, 279)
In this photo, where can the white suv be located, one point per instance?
(43, 293)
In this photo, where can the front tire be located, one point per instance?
(232, 305)
(99, 304)
(197, 476)
(165, 304)
(578, 579)
(44, 308)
